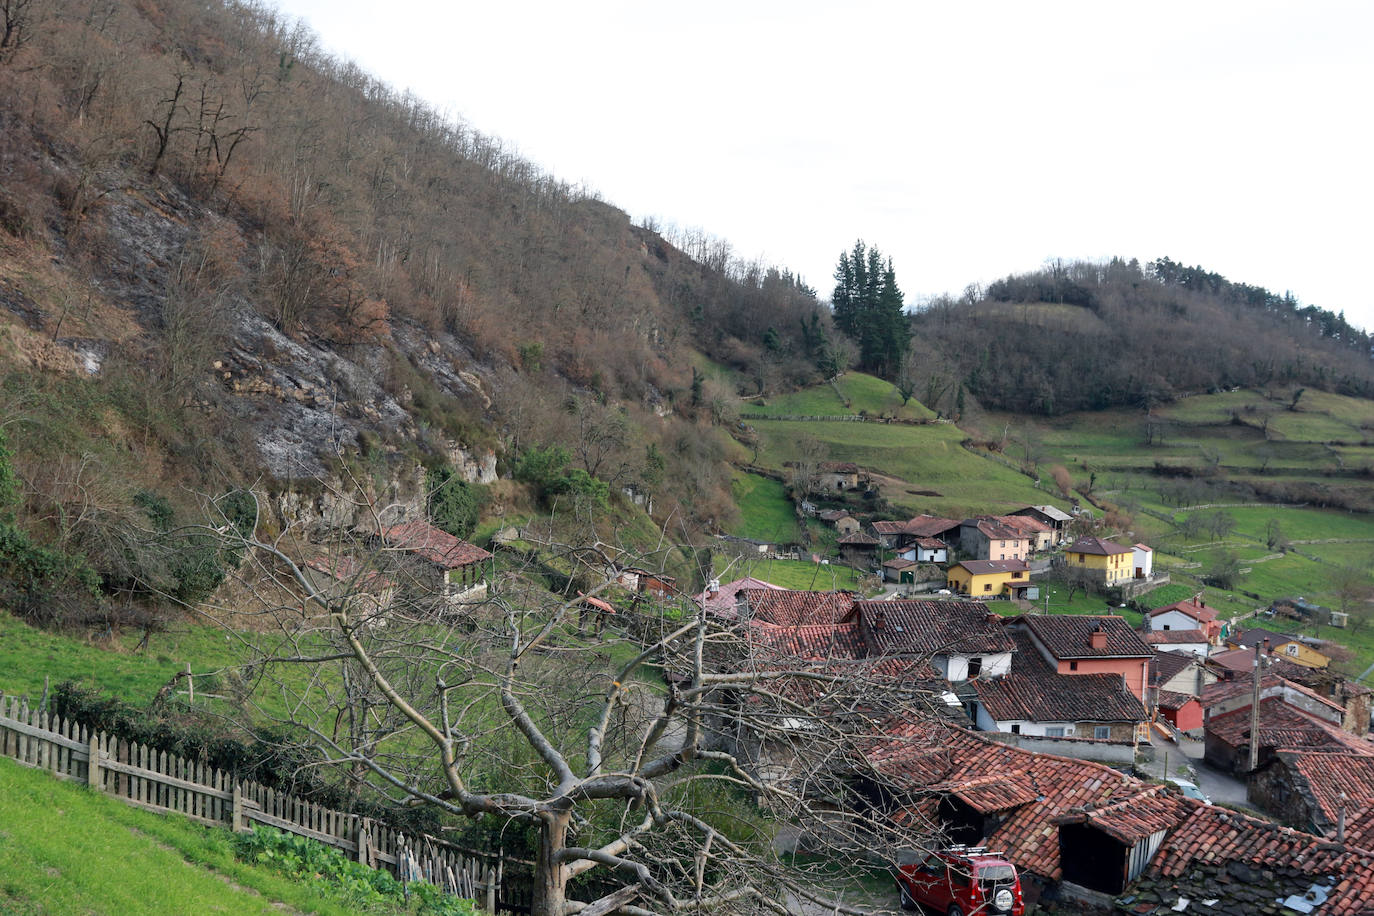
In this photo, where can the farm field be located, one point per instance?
(765, 511)
(798, 574)
(940, 475)
(866, 393)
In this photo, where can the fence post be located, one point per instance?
(491, 889)
(93, 769)
(236, 820)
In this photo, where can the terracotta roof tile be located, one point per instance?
(984, 567)
(788, 608)
(858, 539)
(724, 600)
(1284, 728)
(930, 526)
(1168, 665)
(1175, 637)
(1172, 700)
(930, 627)
(436, 546)
(1070, 635)
(1035, 692)
(1330, 775)
(1190, 608)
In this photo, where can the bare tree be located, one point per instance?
(671, 772)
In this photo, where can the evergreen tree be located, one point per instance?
(868, 308)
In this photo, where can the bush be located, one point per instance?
(315, 863)
(454, 504)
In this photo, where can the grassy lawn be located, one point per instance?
(942, 477)
(67, 851)
(798, 574)
(28, 654)
(866, 394)
(765, 511)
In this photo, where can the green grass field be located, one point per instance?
(798, 574)
(938, 475)
(67, 851)
(764, 509)
(866, 394)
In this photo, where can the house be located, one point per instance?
(1331, 685)
(721, 600)
(839, 476)
(1039, 536)
(902, 536)
(857, 549)
(1221, 861)
(1313, 792)
(1091, 644)
(1106, 562)
(888, 533)
(1177, 680)
(992, 794)
(1189, 614)
(1056, 519)
(900, 571)
(365, 592)
(985, 538)
(1036, 698)
(448, 566)
(643, 582)
(1291, 717)
(987, 578)
(961, 639)
(788, 608)
(1293, 648)
(1143, 559)
(1187, 642)
(930, 550)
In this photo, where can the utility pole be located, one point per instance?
(1255, 712)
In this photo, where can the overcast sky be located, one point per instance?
(966, 140)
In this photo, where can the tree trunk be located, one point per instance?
(550, 875)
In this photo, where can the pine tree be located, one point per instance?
(868, 307)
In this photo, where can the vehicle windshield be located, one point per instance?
(996, 874)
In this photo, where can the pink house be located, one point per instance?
(1092, 644)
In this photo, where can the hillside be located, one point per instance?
(1093, 336)
(67, 852)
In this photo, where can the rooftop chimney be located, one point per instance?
(713, 588)
(1098, 639)
(1267, 649)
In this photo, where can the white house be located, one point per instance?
(1143, 559)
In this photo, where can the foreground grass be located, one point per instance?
(67, 850)
(764, 509)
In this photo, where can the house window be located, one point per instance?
(1002, 544)
(1054, 731)
(1102, 732)
(1080, 557)
(987, 586)
(975, 667)
(1073, 666)
(1291, 649)
(1016, 729)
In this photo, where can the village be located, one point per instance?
(1087, 751)
(1196, 763)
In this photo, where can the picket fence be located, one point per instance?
(165, 783)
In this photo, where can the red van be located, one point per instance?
(962, 881)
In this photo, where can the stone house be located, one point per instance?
(1313, 792)
(446, 566)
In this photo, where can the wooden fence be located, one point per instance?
(165, 783)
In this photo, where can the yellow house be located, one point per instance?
(1280, 645)
(987, 578)
(1105, 560)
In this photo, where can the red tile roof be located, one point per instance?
(930, 526)
(1270, 683)
(1327, 776)
(985, 567)
(1069, 636)
(1023, 523)
(788, 608)
(887, 527)
(814, 642)
(1239, 660)
(931, 543)
(1211, 836)
(1175, 637)
(1096, 546)
(921, 762)
(1190, 608)
(436, 546)
(899, 563)
(725, 599)
(1135, 818)
(1035, 692)
(857, 539)
(930, 628)
(1174, 701)
(993, 528)
(1283, 727)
